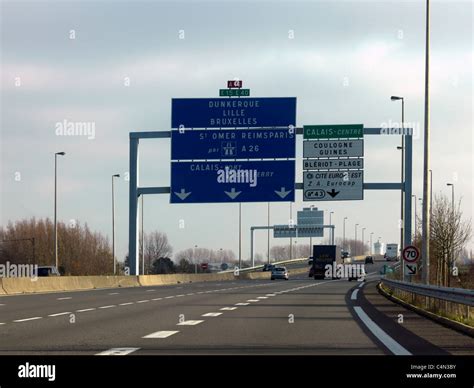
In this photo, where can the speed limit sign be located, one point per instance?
(411, 254)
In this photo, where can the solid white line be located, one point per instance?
(388, 341)
(66, 298)
(117, 352)
(107, 307)
(84, 310)
(143, 301)
(161, 334)
(125, 304)
(228, 308)
(189, 323)
(58, 314)
(354, 294)
(211, 315)
(27, 319)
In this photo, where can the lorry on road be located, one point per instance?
(323, 255)
(391, 252)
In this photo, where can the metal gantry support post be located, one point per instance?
(133, 208)
(407, 188)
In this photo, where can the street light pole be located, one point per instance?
(344, 234)
(371, 249)
(402, 177)
(425, 254)
(56, 207)
(452, 221)
(416, 222)
(113, 222)
(363, 246)
(355, 243)
(331, 231)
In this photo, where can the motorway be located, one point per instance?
(298, 316)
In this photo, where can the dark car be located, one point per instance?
(369, 260)
(268, 267)
(311, 272)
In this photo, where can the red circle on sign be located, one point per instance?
(411, 254)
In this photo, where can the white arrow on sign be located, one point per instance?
(232, 193)
(283, 193)
(182, 195)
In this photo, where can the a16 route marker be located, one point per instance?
(410, 254)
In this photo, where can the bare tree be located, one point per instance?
(156, 247)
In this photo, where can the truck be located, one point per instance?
(323, 255)
(391, 252)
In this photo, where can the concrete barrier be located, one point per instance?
(2, 291)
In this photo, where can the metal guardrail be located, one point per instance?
(456, 295)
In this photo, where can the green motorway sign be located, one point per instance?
(333, 131)
(234, 92)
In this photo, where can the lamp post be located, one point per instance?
(113, 222)
(363, 246)
(402, 178)
(344, 234)
(331, 231)
(452, 221)
(355, 246)
(56, 207)
(416, 222)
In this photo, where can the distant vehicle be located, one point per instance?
(391, 252)
(268, 267)
(369, 260)
(323, 255)
(48, 270)
(279, 273)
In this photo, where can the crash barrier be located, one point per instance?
(454, 304)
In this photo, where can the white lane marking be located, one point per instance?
(169, 297)
(200, 292)
(58, 314)
(354, 294)
(228, 308)
(113, 293)
(161, 334)
(157, 299)
(143, 301)
(107, 307)
(179, 296)
(84, 310)
(211, 315)
(65, 298)
(2, 323)
(192, 293)
(2, 304)
(253, 300)
(270, 295)
(150, 290)
(189, 323)
(388, 341)
(262, 297)
(242, 304)
(125, 304)
(27, 319)
(361, 285)
(117, 352)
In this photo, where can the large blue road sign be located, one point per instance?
(233, 112)
(249, 181)
(233, 144)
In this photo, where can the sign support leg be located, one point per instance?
(408, 190)
(133, 209)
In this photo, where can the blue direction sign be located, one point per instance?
(233, 112)
(233, 144)
(249, 181)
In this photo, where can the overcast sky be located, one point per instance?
(342, 60)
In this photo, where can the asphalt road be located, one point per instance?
(298, 316)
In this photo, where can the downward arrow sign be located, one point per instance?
(182, 195)
(333, 193)
(412, 269)
(232, 193)
(282, 193)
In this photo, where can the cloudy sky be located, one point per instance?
(341, 59)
